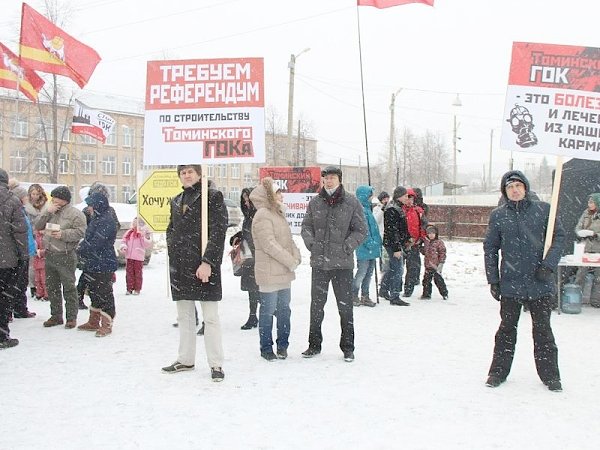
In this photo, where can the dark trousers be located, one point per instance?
(432, 274)
(133, 275)
(100, 287)
(544, 347)
(341, 281)
(7, 282)
(253, 299)
(413, 269)
(19, 305)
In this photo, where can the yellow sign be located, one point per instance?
(154, 198)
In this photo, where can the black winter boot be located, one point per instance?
(252, 322)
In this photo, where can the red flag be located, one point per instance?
(47, 48)
(13, 74)
(389, 3)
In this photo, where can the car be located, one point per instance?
(234, 212)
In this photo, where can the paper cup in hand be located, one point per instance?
(585, 233)
(52, 227)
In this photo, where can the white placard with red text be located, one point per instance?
(552, 101)
(205, 111)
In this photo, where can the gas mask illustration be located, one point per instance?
(522, 125)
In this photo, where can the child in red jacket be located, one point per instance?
(435, 256)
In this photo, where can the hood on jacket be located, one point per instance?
(595, 197)
(432, 228)
(363, 194)
(513, 175)
(97, 201)
(263, 195)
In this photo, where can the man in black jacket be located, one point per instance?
(395, 240)
(333, 226)
(196, 269)
(526, 277)
(13, 248)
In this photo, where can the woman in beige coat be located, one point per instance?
(276, 258)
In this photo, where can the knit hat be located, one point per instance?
(400, 191)
(514, 177)
(3, 176)
(61, 192)
(196, 167)
(19, 192)
(383, 195)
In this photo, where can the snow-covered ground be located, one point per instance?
(417, 382)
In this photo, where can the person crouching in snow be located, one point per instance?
(134, 243)
(96, 252)
(435, 257)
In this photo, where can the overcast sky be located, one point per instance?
(459, 46)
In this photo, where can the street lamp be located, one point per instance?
(292, 67)
(390, 179)
(456, 103)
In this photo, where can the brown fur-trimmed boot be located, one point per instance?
(106, 323)
(93, 323)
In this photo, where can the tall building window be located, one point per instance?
(126, 193)
(88, 164)
(126, 165)
(66, 134)
(40, 163)
(112, 191)
(210, 173)
(234, 194)
(128, 136)
(222, 171)
(109, 165)
(20, 127)
(235, 171)
(111, 139)
(87, 139)
(64, 164)
(18, 161)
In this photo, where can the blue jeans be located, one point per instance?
(362, 278)
(269, 303)
(394, 274)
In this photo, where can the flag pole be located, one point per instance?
(362, 88)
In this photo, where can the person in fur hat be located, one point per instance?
(276, 258)
(434, 251)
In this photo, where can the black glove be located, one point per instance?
(495, 291)
(543, 273)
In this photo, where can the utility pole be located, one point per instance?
(391, 160)
(489, 183)
(456, 104)
(290, 124)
